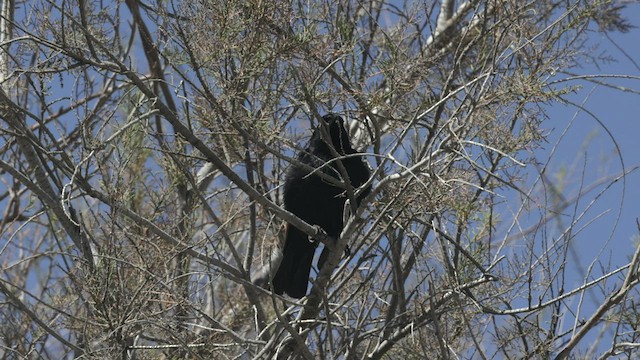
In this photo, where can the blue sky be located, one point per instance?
(587, 152)
(588, 148)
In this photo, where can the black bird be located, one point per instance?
(317, 201)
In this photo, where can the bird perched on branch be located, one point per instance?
(315, 190)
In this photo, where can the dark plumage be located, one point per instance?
(316, 201)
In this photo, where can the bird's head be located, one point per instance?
(338, 133)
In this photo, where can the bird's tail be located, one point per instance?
(292, 276)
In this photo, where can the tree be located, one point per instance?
(143, 151)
